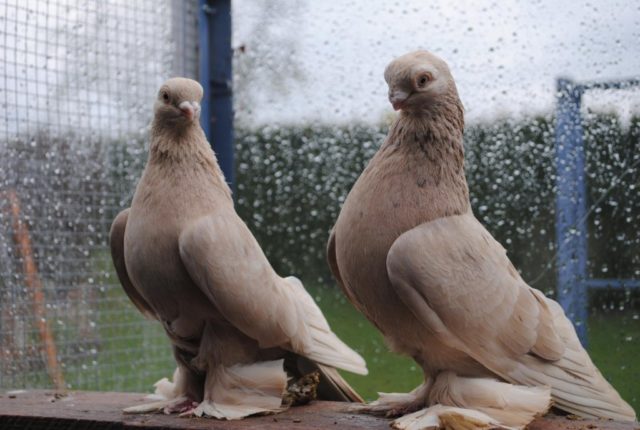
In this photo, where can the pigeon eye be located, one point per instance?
(165, 96)
(422, 81)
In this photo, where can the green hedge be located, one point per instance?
(293, 180)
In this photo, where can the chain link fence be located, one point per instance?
(78, 78)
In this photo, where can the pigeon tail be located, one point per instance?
(325, 347)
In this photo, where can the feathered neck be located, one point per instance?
(435, 131)
(184, 151)
(429, 143)
(178, 144)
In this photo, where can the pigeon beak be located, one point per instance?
(190, 109)
(397, 98)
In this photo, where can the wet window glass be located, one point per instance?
(552, 155)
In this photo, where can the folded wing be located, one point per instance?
(226, 262)
(116, 243)
(459, 282)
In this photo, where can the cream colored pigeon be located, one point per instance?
(409, 254)
(185, 258)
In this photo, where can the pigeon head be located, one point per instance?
(417, 80)
(178, 102)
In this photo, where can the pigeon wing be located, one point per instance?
(226, 262)
(116, 243)
(456, 278)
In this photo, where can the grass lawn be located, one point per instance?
(614, 346)
(134, 353)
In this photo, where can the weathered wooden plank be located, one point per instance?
(98, 410)
(44, 409)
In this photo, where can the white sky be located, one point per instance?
(505, 55)
(72, 63)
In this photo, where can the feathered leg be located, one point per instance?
(180, 395)
(170, 396)
(397, 404)
(447, 418)
(242, 390)
(461, 403)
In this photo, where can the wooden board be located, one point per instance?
(45, 409)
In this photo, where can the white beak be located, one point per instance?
(190, 109)
(397, 97)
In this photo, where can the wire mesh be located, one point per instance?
(77, 83)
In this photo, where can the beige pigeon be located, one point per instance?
(185, 258)
(409, 253)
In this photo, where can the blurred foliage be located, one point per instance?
(291, 184)
(613, 178)
(293, 180)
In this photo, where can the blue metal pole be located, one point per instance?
(571, 228)
(204, 69)
(216, 78)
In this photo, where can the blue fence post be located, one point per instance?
(204, 66)
(216, 78)
(571, 228)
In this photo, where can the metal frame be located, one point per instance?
(214, 20)
(571, 206)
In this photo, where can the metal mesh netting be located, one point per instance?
(78, 81)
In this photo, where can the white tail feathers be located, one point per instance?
(324, 346)
(242, 390)
(510, 405)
